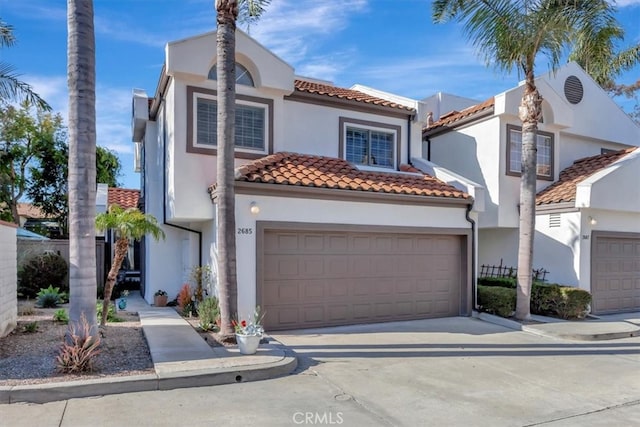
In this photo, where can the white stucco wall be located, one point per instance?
(557, 249)
(325, 212)
(473, 152)
(8, 278)
(496, 244)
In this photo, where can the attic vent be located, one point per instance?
(554, 220)
(573, 90)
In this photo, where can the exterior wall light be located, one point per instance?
(592, 220)
(254, 208)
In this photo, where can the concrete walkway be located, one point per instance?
(606, 327)
(181, 358)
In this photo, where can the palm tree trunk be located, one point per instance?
(227, 13)
(82, 162)
(530, 113)
(122, 246)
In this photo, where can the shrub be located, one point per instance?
(61, 316)
(50, 297)
(504, 282)
(208, 312)
(185, 300)
(111, 313)
(574, 303)
(497, 300)
(26, 309)
(544, 298)
(31, 327)
(40, 271)
(79, 349)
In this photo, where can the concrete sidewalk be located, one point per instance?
(181, 358)
(606, 327)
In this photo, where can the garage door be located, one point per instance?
(312, 279)
(615, 276)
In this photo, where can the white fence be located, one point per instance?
(8, 278)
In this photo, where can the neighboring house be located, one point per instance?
(125, 198)
(588, 206)
(333, 225)
(33, 219)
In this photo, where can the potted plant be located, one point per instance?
(160, 298)
(121, 303)
(249, 332)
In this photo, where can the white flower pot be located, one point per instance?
(248, 344)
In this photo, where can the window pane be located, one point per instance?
(357, 142)
(543, 143)
(381, 149)
(250, 127)
(515, 157)
(242, 75)
(206, 122)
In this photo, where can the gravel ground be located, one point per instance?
(29, 358)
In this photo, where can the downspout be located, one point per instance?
(409, 119)
(164, 189)
(473, 257)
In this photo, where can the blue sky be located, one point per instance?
(390, 45)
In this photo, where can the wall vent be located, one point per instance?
(554, 220)
(573, 89)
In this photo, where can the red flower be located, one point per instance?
(244, 323)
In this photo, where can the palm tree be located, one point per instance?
(81, 76)
(226, 18)
(11, 87)
(128, 224)
(513, 34)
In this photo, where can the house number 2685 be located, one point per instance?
(245, 230)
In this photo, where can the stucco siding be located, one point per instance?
(8, 278)
(473, 153)
(557, 247)
(324, 212)
(496, 245)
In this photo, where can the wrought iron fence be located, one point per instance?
(539, 274)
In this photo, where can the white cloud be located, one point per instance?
(289, 27)
(625, 3)
(112, 110)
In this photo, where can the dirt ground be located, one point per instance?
(29, 357)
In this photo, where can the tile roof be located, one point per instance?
(564, 189)
(123, 197)
(347, 94)
(328, 172)
(28, 210)
(454, 116)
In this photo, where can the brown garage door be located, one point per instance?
(615, 275)
(319, 278)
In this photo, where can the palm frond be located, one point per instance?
(7, 39)
(14, 89)
(250, 11)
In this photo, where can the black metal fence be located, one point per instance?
(539, 274)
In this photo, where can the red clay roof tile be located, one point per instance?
(323, 172)
(123, 197)
(564, 189)
(454, 116)
(348, 94)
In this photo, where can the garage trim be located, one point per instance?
(465, 253)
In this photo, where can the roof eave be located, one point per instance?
(322, 99)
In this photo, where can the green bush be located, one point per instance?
(61, 316)
(40, 271)
(208, 312)
(111, 313)
(574, 303)
(50, 297)
(504, 282)
(544, 298)
(497, 300)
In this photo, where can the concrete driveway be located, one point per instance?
(463, 371)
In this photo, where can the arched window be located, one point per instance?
(242, 75)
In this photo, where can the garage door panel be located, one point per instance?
(333, 278)
(615, 274)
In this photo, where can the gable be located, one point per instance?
(195, 56)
